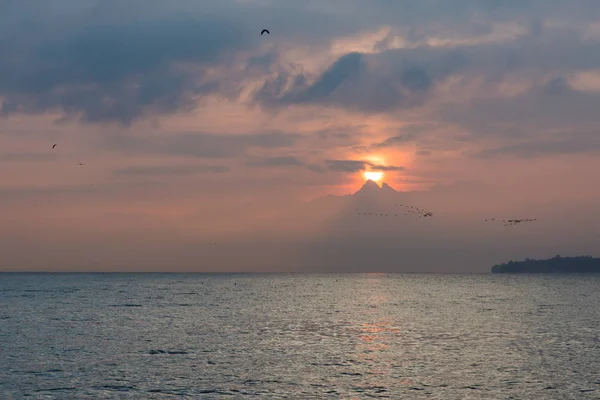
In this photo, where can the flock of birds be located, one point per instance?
(512, 222)
(421, 213)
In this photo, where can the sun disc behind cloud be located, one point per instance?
(373, 175)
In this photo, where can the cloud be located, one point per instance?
(17, 157)
(535, 149)
(359, 82)
(262, 62)
(418, 74)
(358, 165)
(408, 134)
(199, 145)
(171, 170)
(103, 68)
(347, 67)
(378, 167)
(345, 165)
(330, 165)
(547, 110)
(109, 61)
(24, 194)
(276, 162)
(401, 139)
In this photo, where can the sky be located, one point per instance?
(193, 130)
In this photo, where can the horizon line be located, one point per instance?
(245, 272)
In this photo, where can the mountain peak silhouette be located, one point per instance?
(371, 186)
(387, 188)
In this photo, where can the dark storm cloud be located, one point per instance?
(171, 170)
(407, 77)
(121, 60)
(346, 68)
(115, 61)
(199, 145)
(115, 72)
(351, 82)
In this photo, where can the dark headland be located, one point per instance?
(557, 264)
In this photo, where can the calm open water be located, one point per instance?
(172, 336)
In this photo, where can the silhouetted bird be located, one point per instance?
(263, 31)
(80, 164)
(54, 146)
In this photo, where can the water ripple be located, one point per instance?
(306, 336)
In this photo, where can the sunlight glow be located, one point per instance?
(373, 175)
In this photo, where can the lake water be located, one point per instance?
(295, 336)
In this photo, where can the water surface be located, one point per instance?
(356, 336)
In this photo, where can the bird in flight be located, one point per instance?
(54, 146)
(80, 164)
(265, 30)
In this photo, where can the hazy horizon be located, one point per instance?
(195, 129)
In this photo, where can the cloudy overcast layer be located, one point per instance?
(192, 129)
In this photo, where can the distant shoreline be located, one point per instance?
(554, 265)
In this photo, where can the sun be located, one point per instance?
(373, 175)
